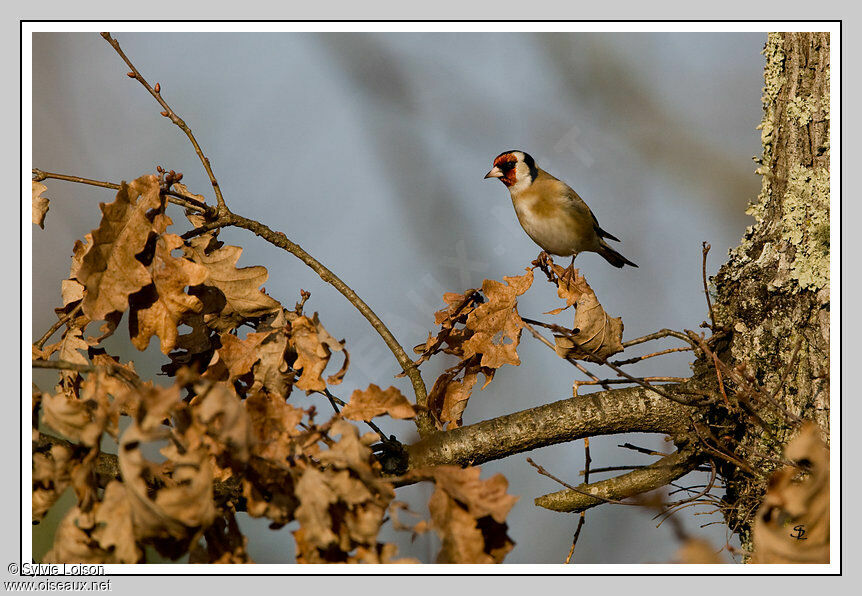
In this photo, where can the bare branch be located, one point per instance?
(632, 409)
(584, 496)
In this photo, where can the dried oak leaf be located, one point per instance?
(169, 501)
(77, 419)
(219, 411)
(365, 405)
(114, 531)
(455, 398)
(109, 270)
(496, 325)
(101, 535)
(571, 285)
(450, 339)
(468, 514)
(344, 504)
(51, 476)
(69, 347)
(159, 308)
(598, 335)
(792, 524)
(40, 204)
(236, 356)
(274, 426)
(238, 296)
(314, 347)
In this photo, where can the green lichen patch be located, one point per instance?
(806, 226)
(801, 109)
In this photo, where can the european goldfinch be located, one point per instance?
(551, 213)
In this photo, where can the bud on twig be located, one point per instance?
(157, 88)
(130, 74)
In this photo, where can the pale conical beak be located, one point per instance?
(494, 173)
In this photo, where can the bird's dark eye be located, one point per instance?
(507, 166)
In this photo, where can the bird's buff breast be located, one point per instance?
(554, 228)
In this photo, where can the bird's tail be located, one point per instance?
(612, 256)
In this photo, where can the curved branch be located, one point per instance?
(226, 217)
(633, 409)
(661, 473)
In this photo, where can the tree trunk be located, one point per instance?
(772, 295)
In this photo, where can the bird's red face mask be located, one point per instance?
(504, 169)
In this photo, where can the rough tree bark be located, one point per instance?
(773, 292)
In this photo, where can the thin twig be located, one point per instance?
(63, 320)
(642, 450)
(583, 517)
(657, 335)
(173, 196)
(612, 469)
(169, 113)
(654, 354)
(706, 248)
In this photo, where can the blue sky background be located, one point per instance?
(369, 151)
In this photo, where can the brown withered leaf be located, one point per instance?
(76, 419)
(274, 425)
(71, 291)
(114, 531)
(239, 297)
(571, 285)
(51, 476)
(40, 204)
(101, 535)
(109, 270)
(218, 410)
(170, 501)
(69, 347)
(381, 554)
(272, 373)
(343, 504)
(365, 405)
(315, 521)
(194, 349)
(455, 398)
(449, 338)
(269, 490)
(468, 514)
(496, 324)
(160, 310)
(314, 347)
(236, 355)
(598, 335)
(792, 524)
(449, 394)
